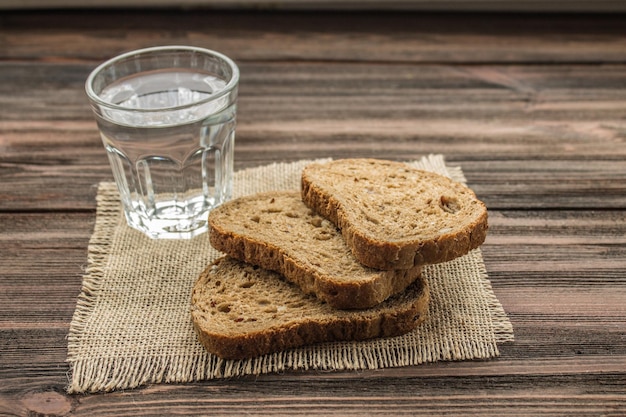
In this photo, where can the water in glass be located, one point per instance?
(171, 166)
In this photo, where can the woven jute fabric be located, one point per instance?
(132, 324)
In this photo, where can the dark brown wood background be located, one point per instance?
(533, 107)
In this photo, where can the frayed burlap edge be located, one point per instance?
(114, 373)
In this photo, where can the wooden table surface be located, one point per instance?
(532, 107)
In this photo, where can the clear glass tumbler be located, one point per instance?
(167, 119)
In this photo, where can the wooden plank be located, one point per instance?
(351, 394)
(545, 184)
(368, 37)
(289, 93)
(316, 5)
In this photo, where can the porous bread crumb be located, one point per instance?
(394, 216)
(272, 315)
(277, 231)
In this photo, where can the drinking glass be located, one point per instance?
(167, 116)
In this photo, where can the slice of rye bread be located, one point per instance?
(242, 311)
(394, 216)
(276, 231)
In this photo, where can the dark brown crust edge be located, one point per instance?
(338, 295)
(389, 255)
(361, 327)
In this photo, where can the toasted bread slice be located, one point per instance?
(393, 216)
(276, 231)
(242, 311)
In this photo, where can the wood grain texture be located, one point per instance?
(531, 106)
(350, 36)
(325, 5)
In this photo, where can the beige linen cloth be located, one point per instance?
(132, 323)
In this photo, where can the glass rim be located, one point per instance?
(95, 98)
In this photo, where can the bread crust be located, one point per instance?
(374, 249)
(318, 322)
(288, 259)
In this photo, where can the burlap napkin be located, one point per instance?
(132, 323)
